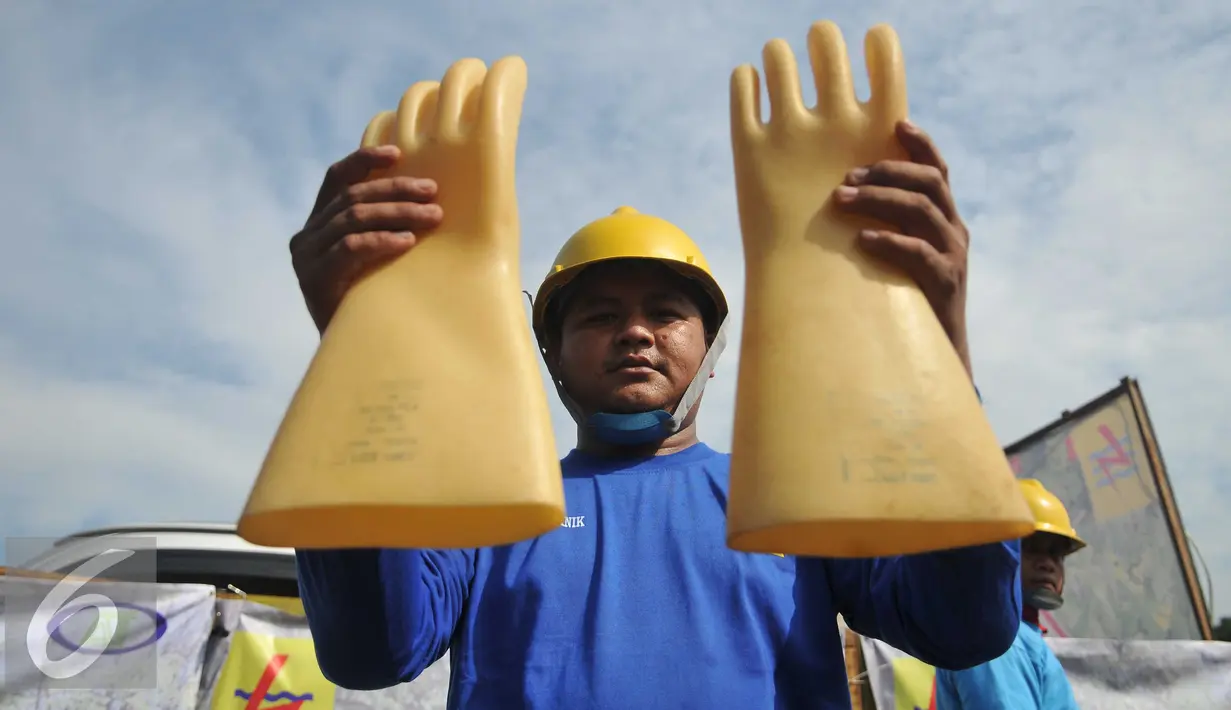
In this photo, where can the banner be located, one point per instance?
(264, 659)
(170, 636)
(898, 681)
(1134, 581)
(237, 654)
(1105, 675)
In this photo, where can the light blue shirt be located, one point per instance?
(1027, 677)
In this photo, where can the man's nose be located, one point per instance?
(636, 330)
(1047, 563)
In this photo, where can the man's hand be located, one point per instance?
(931, 241)
(356, 226)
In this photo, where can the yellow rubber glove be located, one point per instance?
(857, 429)
(422, 420)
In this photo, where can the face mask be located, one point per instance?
(1043, 599)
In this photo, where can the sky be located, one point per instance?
(157, 157)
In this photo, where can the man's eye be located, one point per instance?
(600, 317)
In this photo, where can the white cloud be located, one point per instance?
(157, 161)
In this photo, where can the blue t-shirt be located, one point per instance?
(1028, 677)
(637, 602)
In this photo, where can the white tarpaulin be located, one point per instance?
(1105, 675)
(154, 658)
(186, 649)
(183, 648)
(1147, 675)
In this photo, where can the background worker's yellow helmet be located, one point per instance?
(1050, 515)
(628, 234)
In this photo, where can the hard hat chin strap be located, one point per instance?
(648, 427)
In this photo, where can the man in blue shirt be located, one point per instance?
(1029, 676)
(636, 602)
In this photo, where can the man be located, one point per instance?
(1028, 677)
(637, 602)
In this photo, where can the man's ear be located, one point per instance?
(550, 349)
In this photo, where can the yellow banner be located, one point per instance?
(913, 685)
(291, 605)
(270, 673)
(1108, 445)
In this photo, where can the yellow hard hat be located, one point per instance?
(627, 234)
(1050, 515)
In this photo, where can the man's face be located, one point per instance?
(1043, 562)
(631, 338)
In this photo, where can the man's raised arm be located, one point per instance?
(381, 617)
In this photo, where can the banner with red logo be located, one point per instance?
(264, 659)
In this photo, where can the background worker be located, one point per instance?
(638, 602)
(1029, 676)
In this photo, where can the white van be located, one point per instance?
(186, 553)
